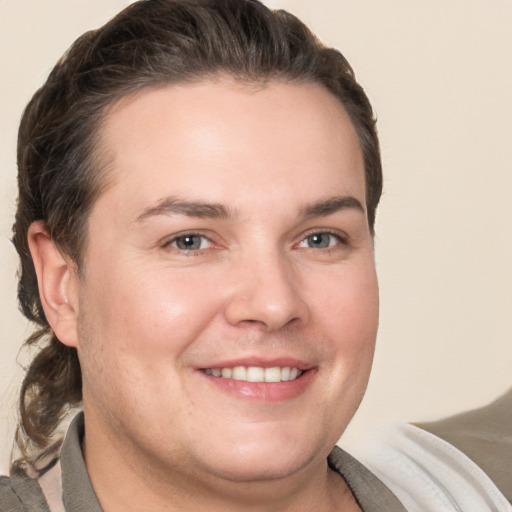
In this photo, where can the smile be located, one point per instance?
(256, 373)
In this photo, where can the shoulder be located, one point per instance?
(8, 498)
(485, 436)
(371, 494)
(21, 493)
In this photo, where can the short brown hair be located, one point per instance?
(150, 43)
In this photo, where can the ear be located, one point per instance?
(58, 283)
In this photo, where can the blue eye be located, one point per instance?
(190, 242)
(320, 241)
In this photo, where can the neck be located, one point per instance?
(124, 481)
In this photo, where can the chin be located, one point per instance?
(256, 470)
(256, 461)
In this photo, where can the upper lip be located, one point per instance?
(262, 362)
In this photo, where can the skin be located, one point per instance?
(279, 271)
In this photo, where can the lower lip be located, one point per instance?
(263, 391)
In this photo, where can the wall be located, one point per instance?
(440, 78)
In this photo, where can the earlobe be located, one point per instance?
(58, 283)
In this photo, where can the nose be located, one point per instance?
(266, 292)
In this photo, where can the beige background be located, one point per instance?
(440, 76)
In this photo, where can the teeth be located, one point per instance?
(256, 373)
(273, 374)
(227, 373)
(239, 373)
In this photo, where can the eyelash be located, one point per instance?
(341, 239)
(191, 252)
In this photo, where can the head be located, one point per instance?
(63, 172)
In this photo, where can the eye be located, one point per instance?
(320, 241)
(190, 242)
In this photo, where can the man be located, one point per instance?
(198, 186)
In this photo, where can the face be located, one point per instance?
(228, 308)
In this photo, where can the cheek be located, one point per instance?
(346, 303)
(159, 308)
(135, 328)
(346, 318)
(133, 333)
(347, 315)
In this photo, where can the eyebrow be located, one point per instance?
(204, 210)
(330, 206)
(172, 205)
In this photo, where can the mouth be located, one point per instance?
(256, 373)
(262, 381)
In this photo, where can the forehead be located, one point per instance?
(236, 139)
